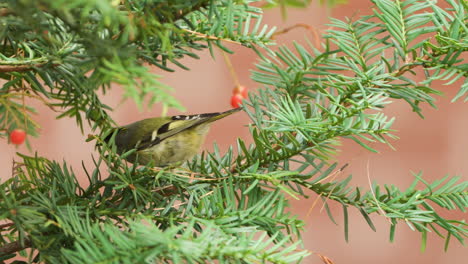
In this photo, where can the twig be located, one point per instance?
(309, 212)
(333, 175)
(2, 226)
(231, 69)
(15, 246)
(15, 68)
(373, 194)
(211, 37)
(325, 259)
(34, 96)
(22, 68)
(167, 190)
(182, 203)
(302, 25)
(408, 67)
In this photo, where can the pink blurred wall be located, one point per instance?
(435, 145)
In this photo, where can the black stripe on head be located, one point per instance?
(164, 128)
(185, 117)
(193, 117)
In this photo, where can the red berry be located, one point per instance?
(242, 90)
(236, 100)
(17, 136)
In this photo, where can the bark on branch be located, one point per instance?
(15, 246)
(21, 68)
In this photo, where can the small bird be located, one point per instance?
(165, 140)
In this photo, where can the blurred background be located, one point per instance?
(436, 146)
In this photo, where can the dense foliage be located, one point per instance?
(227, 207)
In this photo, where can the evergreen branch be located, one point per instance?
(230, 22)
(307, 73)
(15, 114)
(229, 207)
(262, 214)
(410, 206)
(286, 131)
(115, 61)
(177, 242)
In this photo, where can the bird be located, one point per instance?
(165, 141)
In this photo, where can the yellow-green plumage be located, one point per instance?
(166, 140)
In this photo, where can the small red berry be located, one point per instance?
(242, 90)
(17, 136)
(236, 100)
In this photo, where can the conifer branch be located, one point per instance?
(222, 207)
(22, 66)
